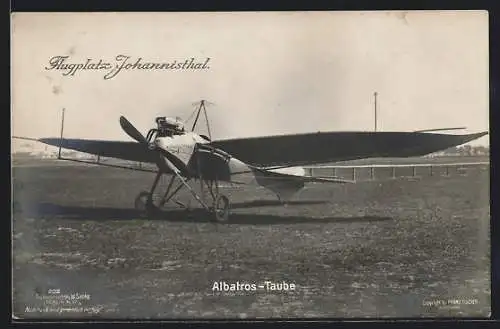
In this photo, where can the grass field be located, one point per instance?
(386, 248)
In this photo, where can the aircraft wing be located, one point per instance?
(324, 147)
(131, 151)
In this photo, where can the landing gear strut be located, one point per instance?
(219, 211)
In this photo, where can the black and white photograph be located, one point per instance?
(250, 165)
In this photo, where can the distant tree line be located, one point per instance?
(467, 150)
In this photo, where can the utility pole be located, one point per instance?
(62, 131)
(375, 98)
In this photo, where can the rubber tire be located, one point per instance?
(221, 216)
(141, 200)
(142, 205)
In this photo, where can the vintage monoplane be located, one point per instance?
(272, 161)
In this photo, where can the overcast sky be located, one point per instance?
(269, 73)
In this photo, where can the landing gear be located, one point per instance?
(221, 205)
(142, 200)
(144, 203)
(221, 209)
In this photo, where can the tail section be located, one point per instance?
(286, 182)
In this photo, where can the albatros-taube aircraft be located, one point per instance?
(272, 161)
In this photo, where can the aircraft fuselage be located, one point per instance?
(194, 157)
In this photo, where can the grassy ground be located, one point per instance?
(375, 249)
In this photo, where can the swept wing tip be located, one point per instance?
(478, 135)
(470, 137)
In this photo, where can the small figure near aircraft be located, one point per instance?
(271, 161)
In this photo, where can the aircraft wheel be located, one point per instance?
(144, 203)
(221, 209)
